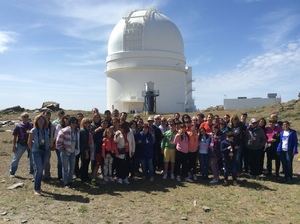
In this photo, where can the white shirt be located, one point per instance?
(285, 140)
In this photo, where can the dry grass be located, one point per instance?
(253, 201)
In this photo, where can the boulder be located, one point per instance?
(15, 109)
(53, 106)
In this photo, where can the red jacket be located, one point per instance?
(109, 146)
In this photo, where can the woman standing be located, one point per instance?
(126, 146)
(181, 157)
(287, 148)
(86, 148)
(67, 143)
(39, 144)
(272, 132)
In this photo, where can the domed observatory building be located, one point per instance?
(147, 47)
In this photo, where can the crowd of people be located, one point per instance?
(181, 147)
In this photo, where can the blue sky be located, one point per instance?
(56, 49)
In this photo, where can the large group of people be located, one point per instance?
(110, 148)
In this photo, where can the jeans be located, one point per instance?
(20, 149)
(287, 164)
(108, 161)
(68, 166)
(39, 159)
(147, 165)
(272, 155)
(230, 165)
(214, 167)
(59, 164)
(204, 163)
(47, 166)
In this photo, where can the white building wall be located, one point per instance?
(232, 104)
(127, 84)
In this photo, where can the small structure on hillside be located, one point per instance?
(247, 103)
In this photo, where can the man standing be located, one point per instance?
(256, 144)
(20, 145)
(157, 134)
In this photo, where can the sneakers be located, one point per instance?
(12, 175)
(195, 177)
(94, 182)
(165, 176)
(125, 181)
(120, 181)
(225, 183)
(214, 181)
(172, 176)
(178, 178)
(187, 179)
(38, 193)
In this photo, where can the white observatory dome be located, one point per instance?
(145, 30)
(147, 47)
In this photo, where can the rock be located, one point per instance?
(24, 221)
(195, 203)
(3, 213)
(14, 109)
(206, 209)
(6, 219)
(184, 218)
(14, 186)
(50, 105)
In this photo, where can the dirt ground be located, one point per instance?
(164, 201)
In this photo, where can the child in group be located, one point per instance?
(169, 148)
(147, 145)
(182, 147)
(214, 153)
(204, 142)
(109, 150)
(229, 153)
(193, 151)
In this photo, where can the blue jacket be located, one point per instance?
(147, 145)
(292, 142)
(40, 137)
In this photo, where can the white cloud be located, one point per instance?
(90, 19)
(274, 71)
(275, 27)
(13, 79)
(6, 38)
